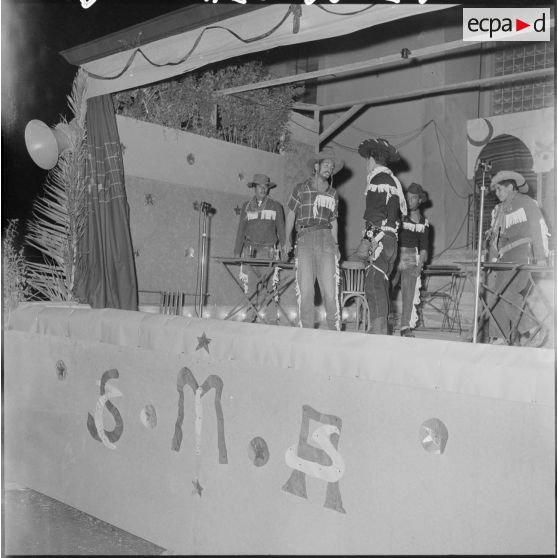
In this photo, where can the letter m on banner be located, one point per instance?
(185, 377)
(323, 462)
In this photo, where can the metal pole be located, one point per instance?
(485, 167)
(205, 208)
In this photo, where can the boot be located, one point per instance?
(379, 326)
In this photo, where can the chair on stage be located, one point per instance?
(353, 275)
(171, 302)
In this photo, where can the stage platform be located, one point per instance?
(206, 436)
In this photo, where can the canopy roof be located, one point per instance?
(189, 38)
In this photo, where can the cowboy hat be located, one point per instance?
(327, 153)
(415, 188)
(261, 179)
(378, 145)
(520, 182)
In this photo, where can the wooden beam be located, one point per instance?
(484, 82)
(317, 121)
(339, 122)
(390, 60)
(306, 106)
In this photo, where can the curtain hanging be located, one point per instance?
(108, 278)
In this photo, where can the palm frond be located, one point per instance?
(48, 280)
(77, 100)
(59, 215)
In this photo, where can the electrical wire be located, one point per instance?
(304, 127)
(446, 169)
(386, 135)
(345, 13)
(452, 152)
(449, 246)
(139, 51)
(439, 130)
(416, 133)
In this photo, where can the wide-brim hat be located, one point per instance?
(327, 153)
(378, 145)
(261, 179)
(415, 188)
(519, 179)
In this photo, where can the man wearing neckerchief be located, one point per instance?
(262, 223)
(385, 203)
(518, 234)
(313, 207)
(413, 253)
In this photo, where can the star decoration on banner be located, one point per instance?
(237, 209)
(203, 342)
(433, 436)
(197, 487)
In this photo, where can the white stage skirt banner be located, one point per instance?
(217, 437)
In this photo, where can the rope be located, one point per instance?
(139, 51)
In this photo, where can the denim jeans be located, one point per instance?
(410, 283)
(377, 278)
(505, 314)
(316, 258)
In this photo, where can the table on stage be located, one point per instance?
(268, 292)
(470, 267)
(445, 298)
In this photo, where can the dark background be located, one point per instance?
(36, 79)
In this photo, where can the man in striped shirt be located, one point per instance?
(313, 207)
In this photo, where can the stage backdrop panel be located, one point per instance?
(214, 437)
(168, 174)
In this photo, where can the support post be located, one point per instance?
(486, 166)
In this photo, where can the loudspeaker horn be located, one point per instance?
(46, 144)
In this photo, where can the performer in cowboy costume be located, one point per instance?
(518, 234)
(385, 203)
(313, 207)
(262, 223)
(413, 254)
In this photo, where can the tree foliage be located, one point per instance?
(257, 118)
(15, 288)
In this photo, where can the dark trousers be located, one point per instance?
(377, 284)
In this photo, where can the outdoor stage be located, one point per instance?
(308, 442)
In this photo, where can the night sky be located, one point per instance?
(36, 78)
